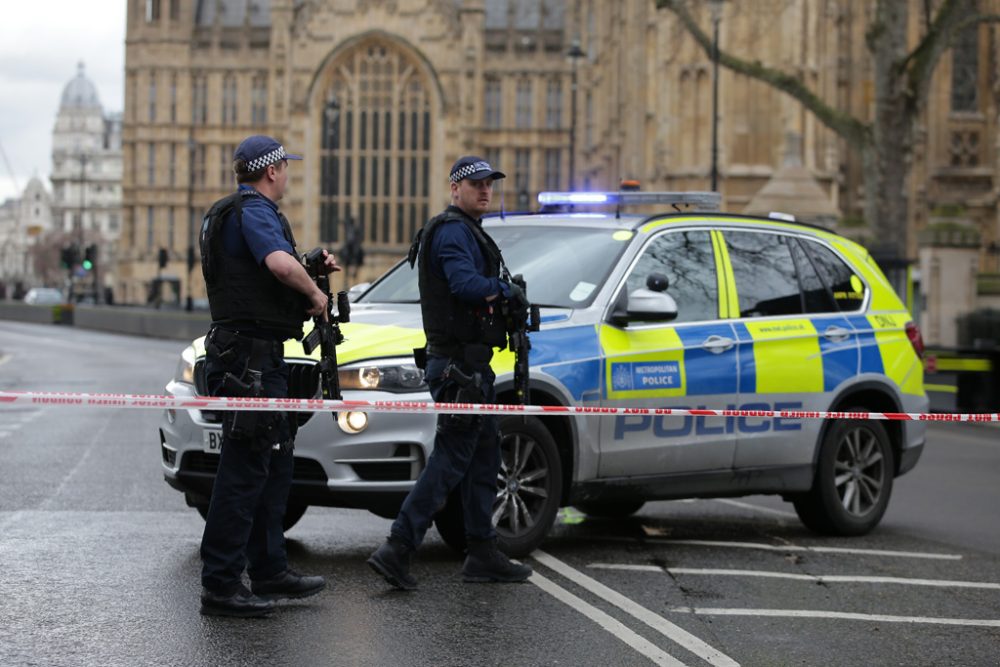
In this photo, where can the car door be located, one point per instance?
(687, 362)
(795, 347)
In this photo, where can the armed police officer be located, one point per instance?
(259, 294)
(459, 277)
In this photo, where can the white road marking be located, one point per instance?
(4, 358)
(20, 419)
(615, 627)
(815, 578)
(843, 615)
(663, 626)
(789, 547)
(756, 508)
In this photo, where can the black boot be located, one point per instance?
(392, 561)
(288, 584)
(241, 603)
(486, 563)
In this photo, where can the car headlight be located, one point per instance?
(392, 377)
(185, 367)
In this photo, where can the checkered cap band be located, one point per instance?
(469, 170)
(266, 159)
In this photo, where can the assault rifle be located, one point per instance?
(520, 320)
(326, 331)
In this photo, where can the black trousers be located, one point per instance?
(244, 525)
(466, 455)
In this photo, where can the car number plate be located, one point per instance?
(212, 440)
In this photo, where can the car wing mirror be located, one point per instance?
(645, 305)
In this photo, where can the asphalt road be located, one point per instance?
(99, 560)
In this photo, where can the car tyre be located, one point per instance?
(529, 490)
(853, 481)
(611, 510)
(293, 512)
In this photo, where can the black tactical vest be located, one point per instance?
(241, 293)
(449, 322)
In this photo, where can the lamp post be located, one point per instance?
(79, 222)
(351, 252)
(573, 55)
(189, 302)
(716, 8)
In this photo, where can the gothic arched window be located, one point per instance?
(376, 147)
(965, 70)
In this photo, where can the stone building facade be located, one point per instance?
(86, 166)
(382, 95)
(23, 221)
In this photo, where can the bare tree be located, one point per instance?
(902, 78)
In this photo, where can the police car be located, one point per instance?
(691, 310)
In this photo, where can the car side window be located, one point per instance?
(816, 293)
(848, 289)
(687, 260)
(765, 274)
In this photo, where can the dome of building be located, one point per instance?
(80, 92)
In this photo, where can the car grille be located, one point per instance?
(303, 382)
(306, 470)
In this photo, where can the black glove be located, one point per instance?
(517, 299)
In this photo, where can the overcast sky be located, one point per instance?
(41, 42)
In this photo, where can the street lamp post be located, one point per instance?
(79, 222)
(573, 55)
(189, 302)
(716, 8)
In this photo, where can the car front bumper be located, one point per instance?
(372, 470)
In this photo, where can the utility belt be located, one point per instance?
(234, 342)
(473, 354)
(249, 357)
(468, 366)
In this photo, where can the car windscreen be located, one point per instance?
(562, 266)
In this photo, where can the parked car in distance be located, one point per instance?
(43, 296)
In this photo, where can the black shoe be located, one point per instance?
(486, 563)
(242, 604)
(392, 561)
(288, 584)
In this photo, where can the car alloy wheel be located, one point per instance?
(859, 471)
(853, 481)
(529, 484)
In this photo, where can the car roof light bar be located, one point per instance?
(698, 201)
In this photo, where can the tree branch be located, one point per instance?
(918, 66)
(854, 131)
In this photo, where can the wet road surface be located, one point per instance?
(100, 560)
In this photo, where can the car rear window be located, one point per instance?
(848, 289)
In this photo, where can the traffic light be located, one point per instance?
(90, 256)
(163, 258)
(69, 256)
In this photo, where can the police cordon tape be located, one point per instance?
(147, 402)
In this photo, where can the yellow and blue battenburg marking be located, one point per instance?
(793, 355)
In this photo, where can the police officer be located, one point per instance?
(259, 294)
(459, 276)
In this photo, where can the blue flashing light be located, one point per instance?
(698, 201)
(555, 198)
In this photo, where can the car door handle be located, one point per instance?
(718, 344)
(836, 334)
